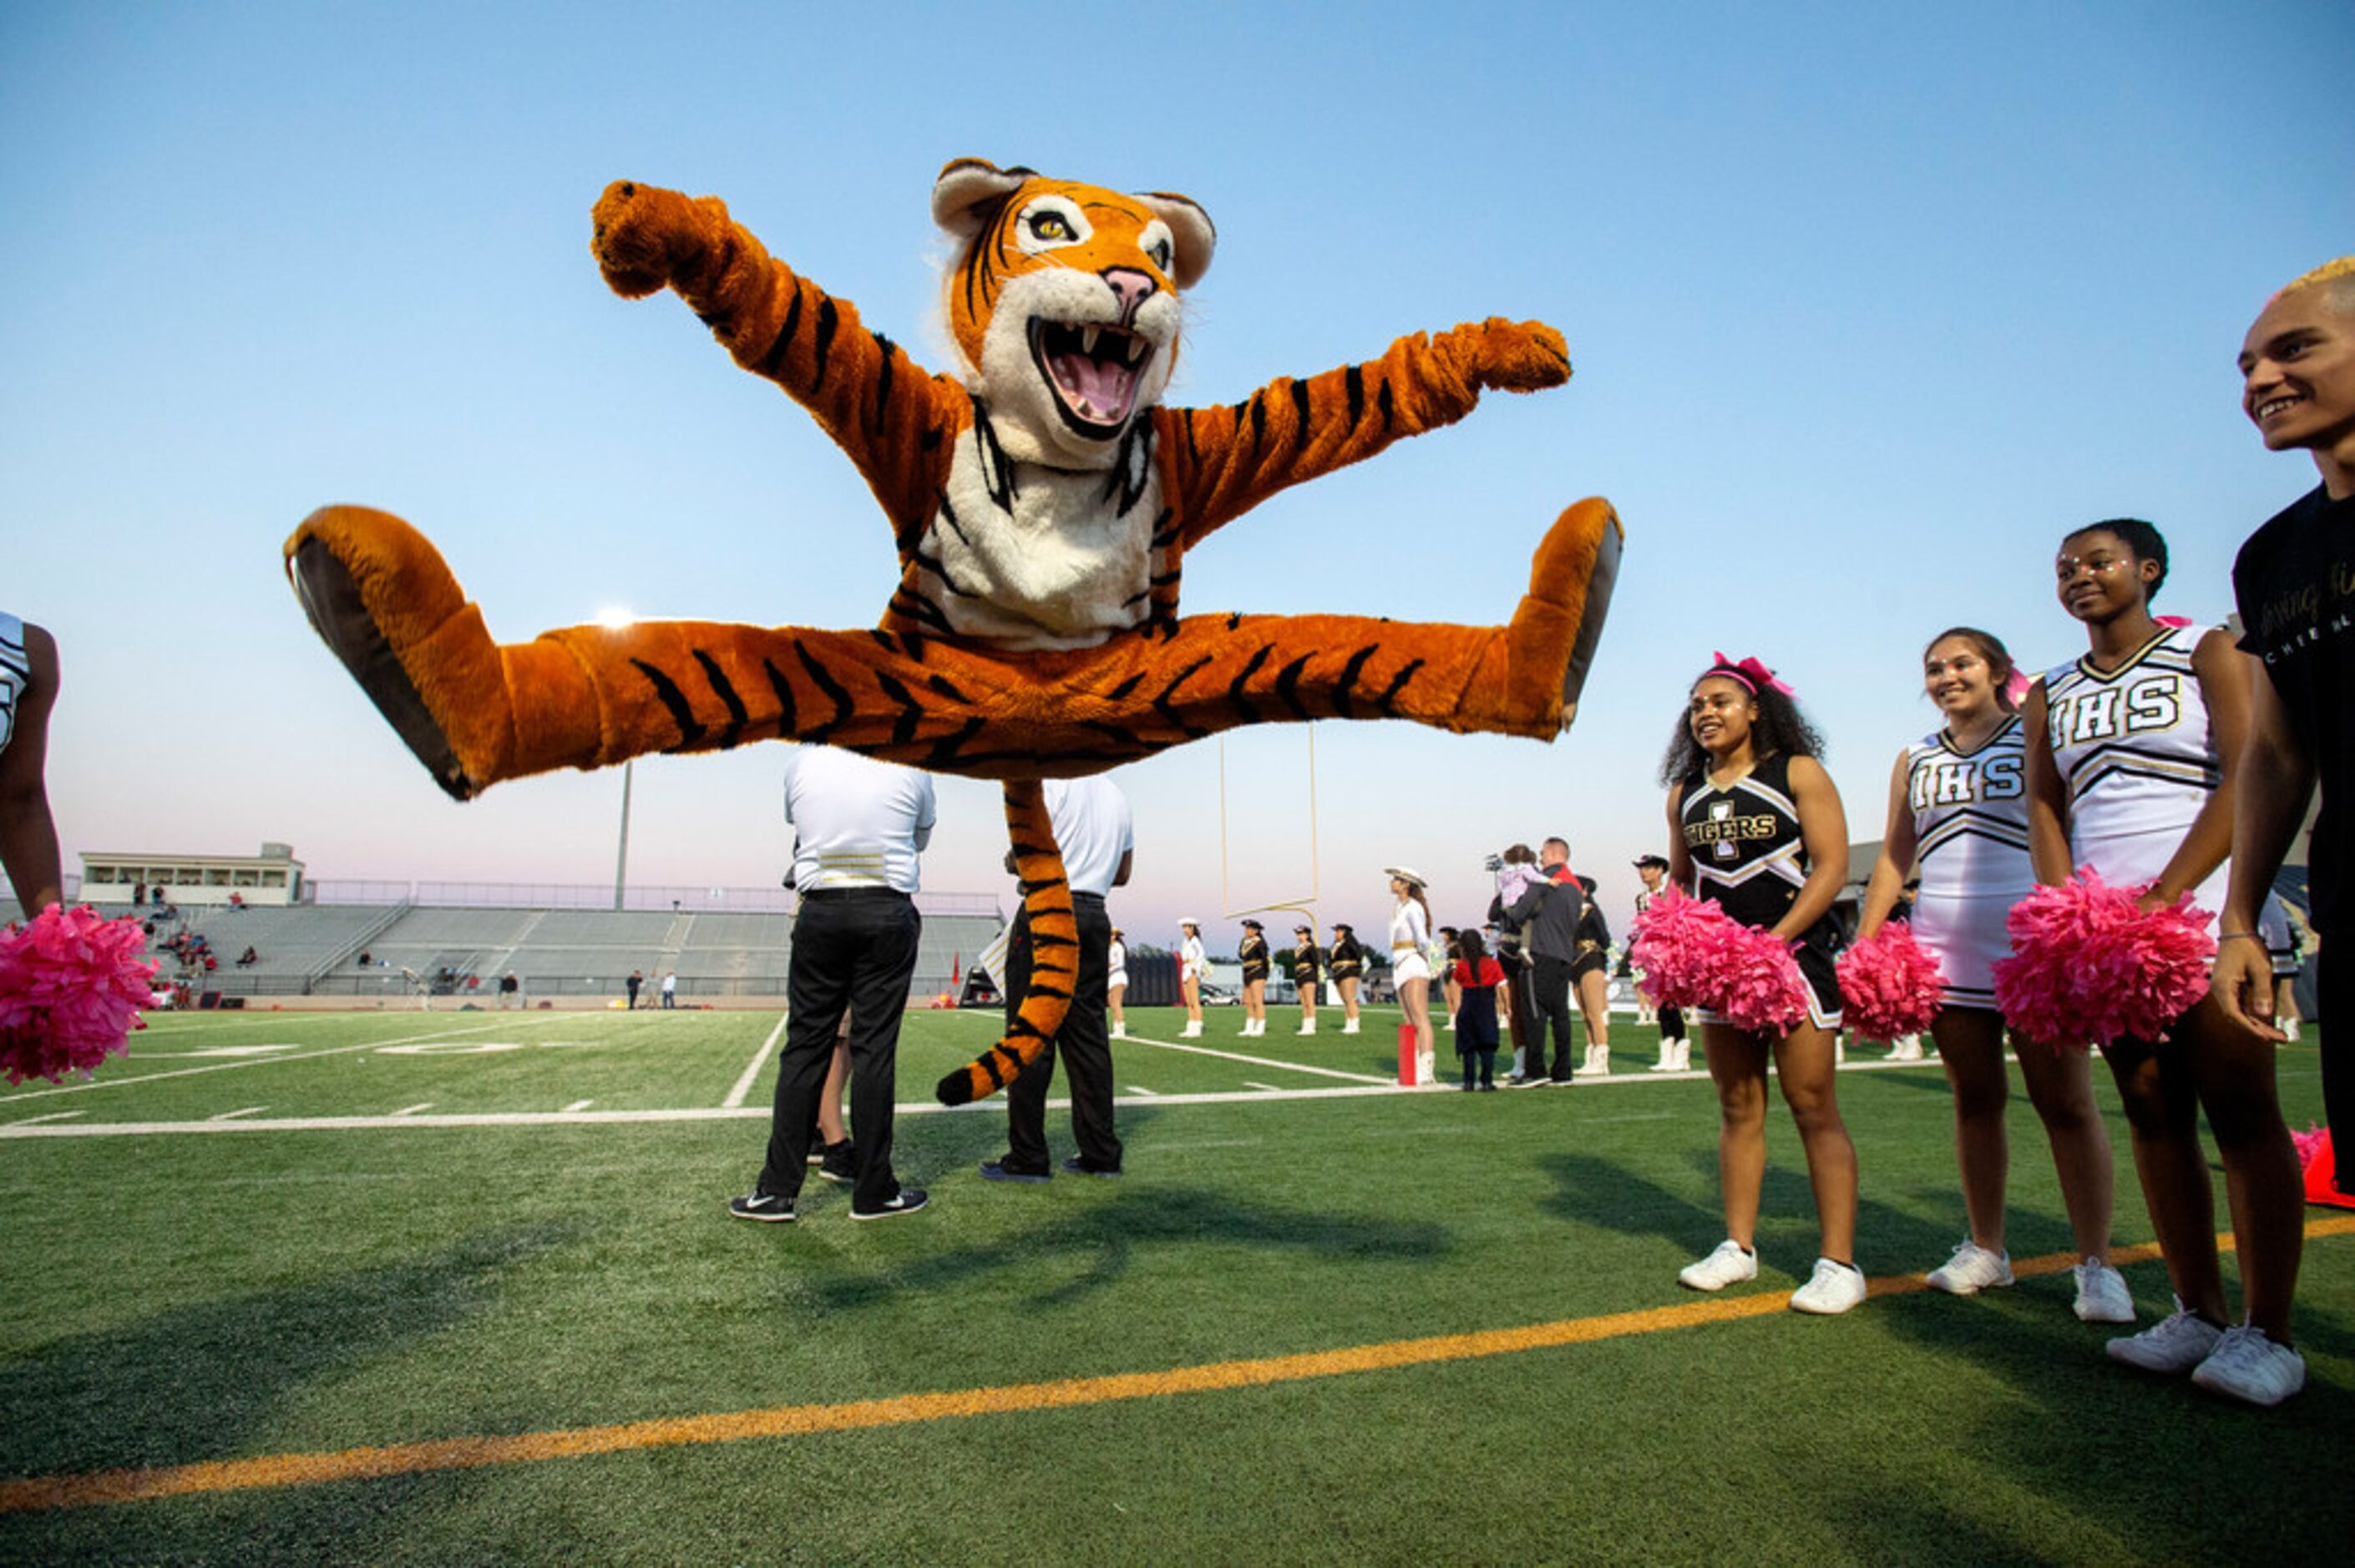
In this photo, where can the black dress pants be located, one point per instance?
(1085, 1045)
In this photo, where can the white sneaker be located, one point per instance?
(2175, 1344)
(1833, 1288)
(1974, 1269)
(2102, 1294)
(2248, 1366)
(1728, 1265)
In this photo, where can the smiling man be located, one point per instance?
(2294, 586)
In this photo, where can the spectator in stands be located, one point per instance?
(365, 958)
(248, 958)
(139, 892)
(28, 834)
(510, 990)
(669, 989)
(861, 824)
(637, 977)
(1094, 828)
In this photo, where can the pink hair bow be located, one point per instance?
(2015, 690)
(1752, 674)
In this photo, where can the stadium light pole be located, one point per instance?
(615, 619)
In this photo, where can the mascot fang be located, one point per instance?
(1043, 500)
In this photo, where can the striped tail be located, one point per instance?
(1054, 952)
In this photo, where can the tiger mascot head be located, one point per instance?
(1063, 304)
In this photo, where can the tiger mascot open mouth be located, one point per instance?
(1042, 499)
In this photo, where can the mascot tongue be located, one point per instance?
(1098, 390)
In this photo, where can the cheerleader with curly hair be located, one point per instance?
(1755, 823)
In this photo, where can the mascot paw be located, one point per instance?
(1521, 357)
(643, 234)
(1557, 625)
(380, 597)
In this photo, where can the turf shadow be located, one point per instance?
(191, 1382)
(1106, 1240)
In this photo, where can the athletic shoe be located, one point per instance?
(2248, 1366)
(1003, 1169)
(909, 1200)
(1726, 1266)
(762, 1206)
(1833, 1288)
(840, 1163)
(1488, 1088)
(2175, 1344)
(1972, 1269)
(2102, 1294)
(1075, 1166)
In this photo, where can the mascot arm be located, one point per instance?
(1225, 460)
(880, 407)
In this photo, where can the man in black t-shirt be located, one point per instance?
(2295, 587)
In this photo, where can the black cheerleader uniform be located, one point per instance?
(1746, 853)
(1593, 938)
(1348, 959)
(1306, 961)
(1252, 952)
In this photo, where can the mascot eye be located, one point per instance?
(1050, 224)
(1159, 247)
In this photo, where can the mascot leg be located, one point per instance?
(1054, 952)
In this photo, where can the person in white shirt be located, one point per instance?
(859, 826)
(1095, 832)
(1192, 964)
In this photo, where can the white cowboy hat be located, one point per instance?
(1188, 920)
(1407, 874)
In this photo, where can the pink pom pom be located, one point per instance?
(1674, 941)
(2088, 964)
(71, 985)
(1693, 954)
(2310, 1143)
(1889, 985)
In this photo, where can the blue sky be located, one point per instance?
(1870, 305)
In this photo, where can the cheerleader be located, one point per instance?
(1252, 953)
(1755, 823)
(1116, 982)
(1192, 966)
(1958, 808)
(2127, 754)
(29, 833)
(1590, 981)
(1308, 963)
(1410, 969)
(1676, 1050)
(1346, 964)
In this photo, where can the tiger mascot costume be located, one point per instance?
(1043, 500)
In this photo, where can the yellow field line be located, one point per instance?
(799, 1420)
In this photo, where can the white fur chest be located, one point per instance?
(1034, 558)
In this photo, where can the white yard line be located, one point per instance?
(232, 1116)
(116, 1083)
(579, 1106)
(412, 1110)
(1258, 1061)
(1145, 1094)
(53, 1116)
(1271, 1088)
(736, 1096)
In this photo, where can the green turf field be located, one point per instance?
(272, 1237)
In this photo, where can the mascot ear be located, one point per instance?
(1196, 236)
(970, 190)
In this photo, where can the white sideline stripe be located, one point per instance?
(736, 1095)
(1259, 1061)
(248, 1062)
(622, 1119)
(412, 1110)
(232, 1115)
(53, 1116)
(579, 1105)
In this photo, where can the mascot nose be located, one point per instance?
(1131, 287)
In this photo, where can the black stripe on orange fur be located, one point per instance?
(1054, 951)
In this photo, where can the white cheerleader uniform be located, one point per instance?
(1970, 837)
(16, 673)
(2138, 756)
(1116, 965)
(1410, 935)
(1191, 963)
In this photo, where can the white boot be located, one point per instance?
(1350, 1026)
(1839, 1050)
(1908, 1049)
(1586, 1067)
(1426, 1067)
(1667, 1062)
(1193, 1030)
(1307, 1027)
(1120, 1032)
(1684, 1056)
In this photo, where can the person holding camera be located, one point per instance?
(1548, 913)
